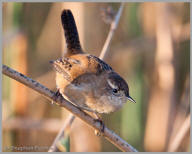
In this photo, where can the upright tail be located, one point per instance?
(71, 33)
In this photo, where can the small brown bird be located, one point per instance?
(85, 80)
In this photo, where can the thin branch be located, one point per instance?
(44, 125)
(67, 124)
(108, 134)
(111, 32)
(185, 127)
(102, 56)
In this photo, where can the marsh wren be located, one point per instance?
(85, 80)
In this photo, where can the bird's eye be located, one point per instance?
(115, 91)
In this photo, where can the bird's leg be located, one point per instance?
(55, 96)
(99, 119)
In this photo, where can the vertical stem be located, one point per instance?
(111, 32)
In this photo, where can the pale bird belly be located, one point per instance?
(104, 104)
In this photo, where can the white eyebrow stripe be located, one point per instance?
(111, 84)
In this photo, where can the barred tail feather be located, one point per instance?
(71, 33)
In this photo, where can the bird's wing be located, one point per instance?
(82, 90)
(77, 65)
(98, 65)
(64, 66)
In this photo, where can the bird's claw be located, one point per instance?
(55, 96)
(102, 127)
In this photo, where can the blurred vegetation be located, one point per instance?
(133, 54)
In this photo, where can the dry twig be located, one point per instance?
(67, 124)
(185, 127)
(20, 123)
(108, 134)
(111, 32)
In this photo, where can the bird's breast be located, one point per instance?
(104, 104)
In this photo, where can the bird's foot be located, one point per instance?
(102, 127)
(55, 96)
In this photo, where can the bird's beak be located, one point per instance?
(131, 99)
